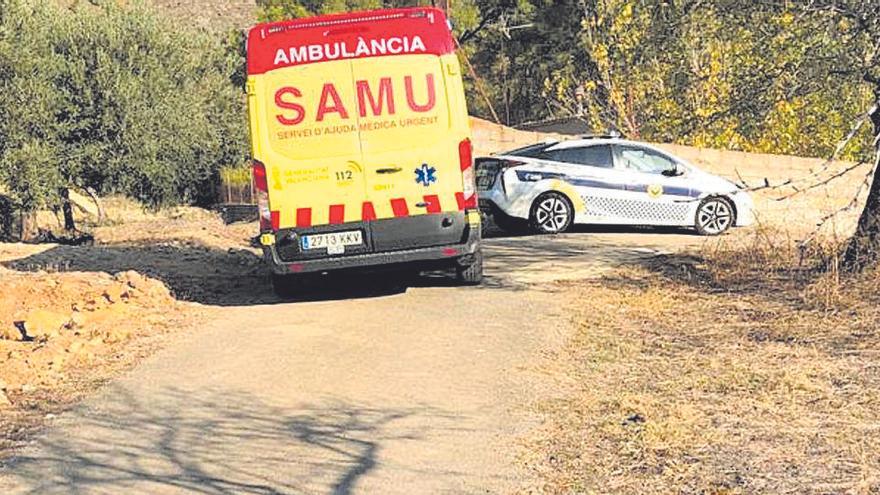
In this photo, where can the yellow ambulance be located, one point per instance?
(361, 145)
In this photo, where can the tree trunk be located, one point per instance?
(67, 209)
(29, 229)
(98, 204)
(863, 249)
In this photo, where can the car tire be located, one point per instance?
(472, 272)
(551, 213)
(287, 286)
(715, 215)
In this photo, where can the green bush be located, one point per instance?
(117, 98)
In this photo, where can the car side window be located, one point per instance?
(591, 156)
(644, 160)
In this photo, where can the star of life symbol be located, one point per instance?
(426, 175)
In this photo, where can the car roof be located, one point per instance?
(589, 141)
(574, 143)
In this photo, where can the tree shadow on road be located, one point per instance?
(239, 277)
(178, 442)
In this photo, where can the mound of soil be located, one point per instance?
(53, 324)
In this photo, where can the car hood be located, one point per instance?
(712, 184)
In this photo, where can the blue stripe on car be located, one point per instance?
(599, 184)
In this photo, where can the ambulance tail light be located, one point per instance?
(261, 185)
(468, 176)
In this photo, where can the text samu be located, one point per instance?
(376, 101)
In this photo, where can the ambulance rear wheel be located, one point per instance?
(472, 273)
(287, 286)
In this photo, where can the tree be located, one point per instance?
(858, 22)
(114, 98)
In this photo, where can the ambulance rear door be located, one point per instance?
(313, 159)
(410, 149)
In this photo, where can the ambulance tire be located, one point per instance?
(472, 273)
(287, 286)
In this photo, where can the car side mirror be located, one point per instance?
(675, 171)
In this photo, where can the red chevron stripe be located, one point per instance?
(337, 214)
(368, 213)
(433, 203)
(398, 206)
(303, 217)
(466, 203)
(275, 216)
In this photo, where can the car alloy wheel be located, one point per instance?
(551, 213)
(714, 216)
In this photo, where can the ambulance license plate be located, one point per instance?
(333, 242)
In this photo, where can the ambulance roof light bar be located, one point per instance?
(350, 20)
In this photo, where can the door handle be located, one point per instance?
(392, 170)
(422, 204)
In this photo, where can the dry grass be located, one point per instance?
(739, 370)
(130, 223)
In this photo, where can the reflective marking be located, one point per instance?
(275, 216)
(433, 203)
(337, 214)
(398, 206)
(368, 213)
(303, 217)
(465, 203)
(618, 186)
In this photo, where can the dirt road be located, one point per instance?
(424, 388)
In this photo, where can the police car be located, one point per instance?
(605, 180)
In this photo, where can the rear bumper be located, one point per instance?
(429, 254)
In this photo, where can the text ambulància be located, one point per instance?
(341, 50)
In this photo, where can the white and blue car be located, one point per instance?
(605, 180)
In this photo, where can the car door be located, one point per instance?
(657, 190)
(590, 170)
